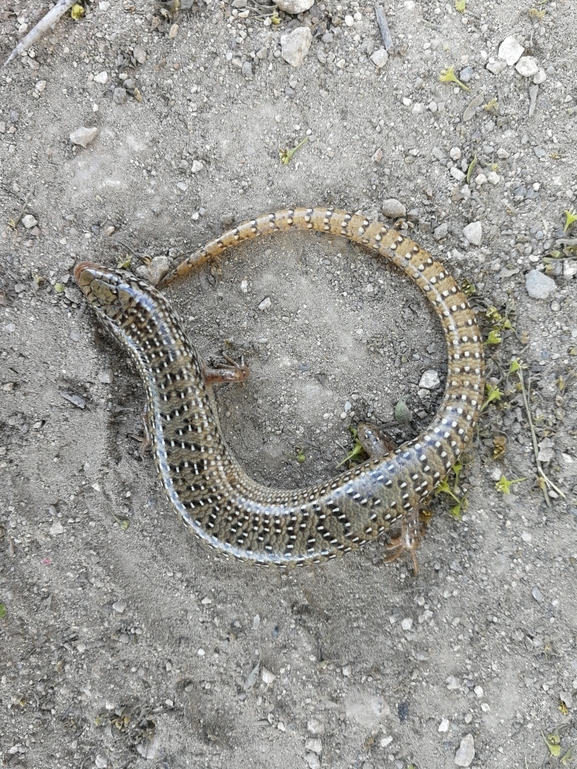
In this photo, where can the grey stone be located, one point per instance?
(466, 752)
(538, 285)
(527, 66)
(295, 6)
(119, 95)
(83, 136)
(295, 45)
(155, 271)
(474, 233)
(510, 50)
(393, 208)
(441, 231)
(139, 54)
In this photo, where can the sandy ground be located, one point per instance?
(124, 641)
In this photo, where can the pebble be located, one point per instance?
(466, 74)
(466, 752)
(393, 208)
(139, 54)
(265, 304)
(510, 50)
(267, 676)
(430, 380)
(155, 271)
(444, 725)
(402, 413)
(496, 66)
(83, 136)
(441, 231)
(246, 69)
(295, 45)
(119, 95)
(100, 761)
(538, 285)
(540, 77)
(379, 58)
(312, 760)
(101, 77)
(527, 66)
(29, 221)
(56, 528)
(474, 233)
(315, 745)
(457, 174)
(455, 153)
(537, 595)
(40, 86)
(295, 6)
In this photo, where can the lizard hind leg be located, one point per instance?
(408, 539)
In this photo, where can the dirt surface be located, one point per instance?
(124, 641)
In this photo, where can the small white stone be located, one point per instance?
(40, 86)
(429, 381)
(493, 177)
(101, 77)
(197, 165)
(295, 45)
(379, 58)
(474, 233)
(56, 528)
(29, 221)
(265, 304)
(457, 174)
(466, 752)
(444, 725)
(455, 153)
(244, 286)
(527, 66)
(295, 6)
(349, 21)
(267, 676)
(480, 179)
(407, 623)
(495, 66)
(119, 607)
(83, 136)
(526, 536)
(315, 745)
(510, 50)
(540, 77)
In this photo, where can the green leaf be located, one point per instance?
(471, 168)
(460, 5)
(570, 217)
(286, 155)
(493, 394)
(60, 288)
(448, 76)
(504, 486)
(2, 611)
(494, 337)
(553, 742)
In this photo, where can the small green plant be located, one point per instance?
(460, 5)
(493, 394)
(445, 488)
(287, 154)
(471, 168)
(448, 76)
(504, 485)
(357, 453)
(570, 218)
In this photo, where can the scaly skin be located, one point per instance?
(204, 481)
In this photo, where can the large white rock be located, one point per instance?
(510, 50)
(295, 6)
(295, 45)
